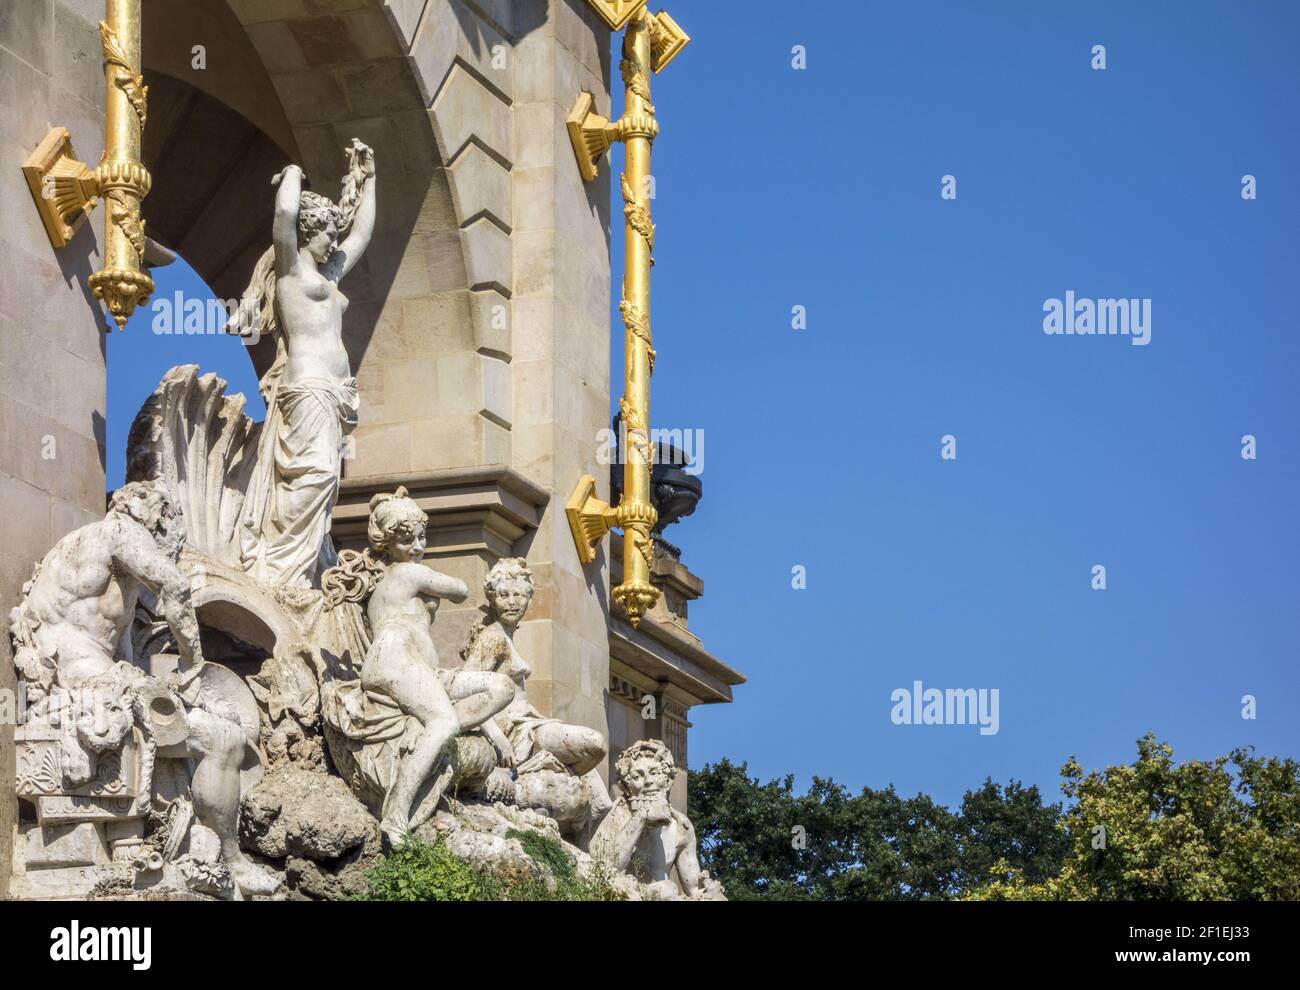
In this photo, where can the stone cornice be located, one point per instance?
(474, 507)
(659, 651)
(663, 650)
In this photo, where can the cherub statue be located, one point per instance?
(311, 396)
(645, 836)
(491, 646)
(399, 718)
(70, 635)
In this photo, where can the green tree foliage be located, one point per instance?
(1156, 830)
(1153, 830)
(765, 842)
(1006, 832)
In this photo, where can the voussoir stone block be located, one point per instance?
(453, 32)
(498, 389)
(336, 6)
(488, 260)
(491, 317)
(349, 36)
(276, 45)
(309, 97)
(465, 109)
(405, 16)
(379, 86)
(256, 11)
(480, 185)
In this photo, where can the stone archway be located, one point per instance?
(210, 166)
(241, 87)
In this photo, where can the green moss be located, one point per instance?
(420, 871)
(569, 886)
(545, 850)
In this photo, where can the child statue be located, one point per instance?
(397, 720)
(491, 647)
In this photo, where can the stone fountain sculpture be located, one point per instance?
(216, 508)
(388, 728)
(311, 396)
(557, 763)
(105, 743)
(259, 496)
(405, 729)
(643, 836)
(149, 766)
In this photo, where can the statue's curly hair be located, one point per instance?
(354, 577)
(155, 496)
(315, 212)
(161, 515)
(389, 514)
(505, 570)
(653, 748)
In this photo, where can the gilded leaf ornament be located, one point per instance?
(131, 82)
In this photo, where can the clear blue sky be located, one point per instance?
(820, 188)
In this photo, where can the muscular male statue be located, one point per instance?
(72, 631)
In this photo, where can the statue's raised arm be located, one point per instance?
(284, 228)
(358, 206)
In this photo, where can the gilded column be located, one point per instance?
(650, 42)
(123, 283)
(636, 513)
(66, 190)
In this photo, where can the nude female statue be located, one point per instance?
(401, 679)
(311, 396)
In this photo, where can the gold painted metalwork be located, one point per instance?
(63, 187)
(667, 40)
(651, 41)
(616, 13)
(66, 190)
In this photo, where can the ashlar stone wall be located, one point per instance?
(52, 401)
